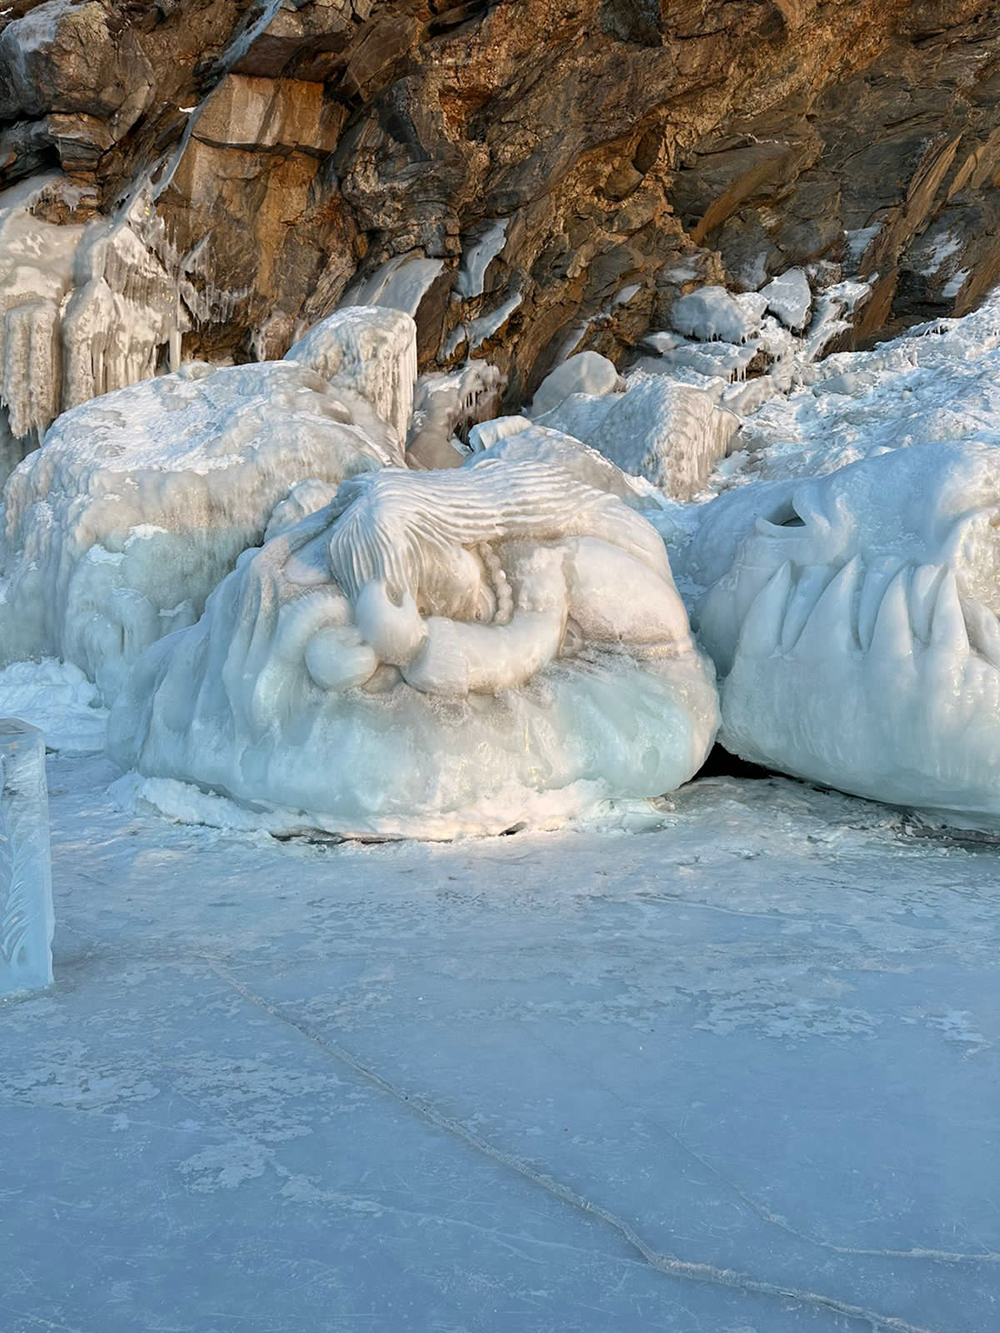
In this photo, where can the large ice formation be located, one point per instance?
(446, 407)
(668, 432)
(853, 619)
(26, 916)
(137, 504)
(369, 352)
(433, 652)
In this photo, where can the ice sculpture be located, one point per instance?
(433, 652)
(853, 621)
(26, 918)
(118, 528)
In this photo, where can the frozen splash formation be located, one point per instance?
(139, 502)
(434, 652)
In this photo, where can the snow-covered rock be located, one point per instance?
(435, 652)
(712, 313)
(853, 619)
(586, 372)
(789, 297)
(137, 504)
(369, 352)
(666, 431)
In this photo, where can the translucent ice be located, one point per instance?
(434, 652)
(26, 918)
(118, 528)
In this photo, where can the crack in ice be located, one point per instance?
(665, 1263)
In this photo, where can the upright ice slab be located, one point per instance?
(26, 918)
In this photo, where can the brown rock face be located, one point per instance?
(528, 179)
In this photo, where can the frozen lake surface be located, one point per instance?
(732, 1071)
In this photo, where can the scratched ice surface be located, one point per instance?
(736, 1074)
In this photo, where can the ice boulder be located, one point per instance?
(586, 372)
(853, 619)
(661, 429)
(712, 314)
(366, 352)
(139, 502)
(433, 653)
(789, 298)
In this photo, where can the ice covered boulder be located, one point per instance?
(26, 917)
(137, 504)
(853, 619)
(368, 352)
(666, 431)
(712, 313)
(789, 298)
(586, 372)
(433, 653)
(540, 444)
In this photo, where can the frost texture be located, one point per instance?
(26, 917)
(435, 653)
(119, 527)
(854, 622)
(368, 352)
(668, 432)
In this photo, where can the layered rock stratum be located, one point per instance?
(207, 178)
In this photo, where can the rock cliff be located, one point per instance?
(528, 179)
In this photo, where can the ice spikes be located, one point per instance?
(892, 636)
(948, 632)
(762, 628)
(984, 631)
(924, 587)
(829, 630)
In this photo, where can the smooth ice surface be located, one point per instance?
(434, 653)
(736, 1074)
(854, 622)
(138, 503)
(26, 920)
(586, 372)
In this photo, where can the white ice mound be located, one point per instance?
(853, 621)
(789, 297)
(369, 352)
(712, 313)
(433, 653)
(668, 432)
(586, 372)
(137, 504)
